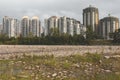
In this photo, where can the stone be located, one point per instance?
(108, 71)
(55, 74)
(76, 65)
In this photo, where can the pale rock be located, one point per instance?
(55, 74)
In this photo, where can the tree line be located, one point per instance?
(45, 40)
(61, 39)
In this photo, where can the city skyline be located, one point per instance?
(45, 9)
(64, 24)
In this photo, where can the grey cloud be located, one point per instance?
(47, 8)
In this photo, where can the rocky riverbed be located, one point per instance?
(63, 50)
(50, 67)
(27, 62)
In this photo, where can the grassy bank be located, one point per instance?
(72, 67)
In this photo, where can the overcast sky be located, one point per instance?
(47, 8)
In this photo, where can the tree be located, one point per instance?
(90, 35)
(54, 32)
(3, 38)
(116, 36)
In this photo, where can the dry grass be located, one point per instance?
(50, 67)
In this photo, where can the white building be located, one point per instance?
(26, 26)
(36, 26)
(51, 24)
(11, 27)
(65, 25)
(77, 28)
(1, 28)
(71, 27)
(83, 30)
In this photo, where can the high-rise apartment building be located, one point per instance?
(77, 27)
(74, 27)
(1, 28)
(46, 27)
(26, 26)
(91, 18)
(36, 26)
(70, 26)
(6, 24)
(11, 27)
(51, 24)
(65, 25)
(17, 27)
(83, 30)
(31, 27)
(108, 25)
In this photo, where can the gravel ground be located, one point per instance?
(62, 50)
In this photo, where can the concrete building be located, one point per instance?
(70, 26)
(50, 24)
(65, 25)
(1, 28)
(6, 21)
(91, 18)
(83, 30)
(77, 29)
(17, 27)
(26, 26)
(36, 26)
(46, 27)
(108, 25)
(11, 27)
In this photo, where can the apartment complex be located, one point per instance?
(11, 27)
(36, 26)
(26, 26)
(101, 27)
(108, 25)
(91, 18)
(31, 27)
(1, 28)
(51, 24)
(64, 25)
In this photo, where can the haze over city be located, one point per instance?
(47, 8)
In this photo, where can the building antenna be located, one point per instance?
(109, 15)
(90, 5)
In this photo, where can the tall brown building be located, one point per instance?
(91, 18)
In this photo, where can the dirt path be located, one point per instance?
(6, 50)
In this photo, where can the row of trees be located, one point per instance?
(47, 40)
(56, 39)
